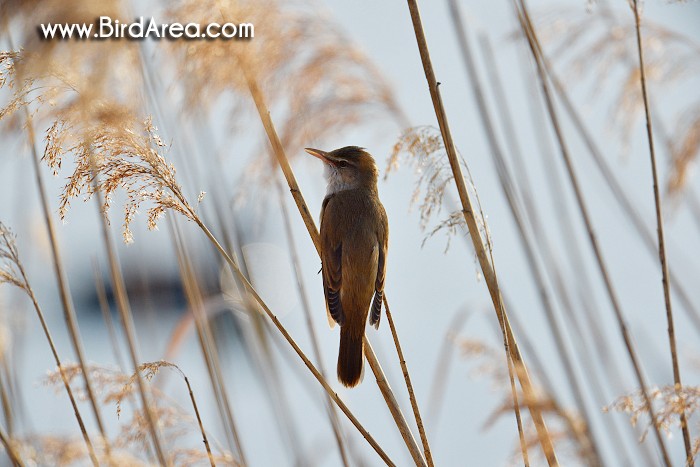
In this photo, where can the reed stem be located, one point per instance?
(528, 29)
(59, 365)
(306, 306)
(662, 244)
(481, 252)
(124, 308)
(10, 450)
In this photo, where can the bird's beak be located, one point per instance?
(323, 155)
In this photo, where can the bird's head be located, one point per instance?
(347, 168)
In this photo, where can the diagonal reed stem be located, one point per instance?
(290, 340)
(530, 34)
(306, 306)
(205, 440)
(487, 267)
(409, 385)
(7, 443)
(30, 292)
(660, 231)
(205, 336)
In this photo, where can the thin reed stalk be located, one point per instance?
(409, 385)
(206, 340)
(7, 409)
(205, 440)
(10, 450)
(278, 150)
(274, 387)
(660, 232)
(163, 363)
(107, 315)
(124, 308)
(442, 367)
(306, 306)
(694, 206)
(481, 252)
(9, 252)
(514, 395)
(528, 29)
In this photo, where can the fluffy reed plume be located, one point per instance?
(685, 147)
(61, 78)
(125, 156)
(316, 82)
(422, 148)
(566, 427)
(10, 272)
(602, 46)
(177, 427)
(61, 450)
(670, 404)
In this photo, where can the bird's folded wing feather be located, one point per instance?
(383, 239)
(331, 259)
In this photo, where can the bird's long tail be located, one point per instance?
(350, 358)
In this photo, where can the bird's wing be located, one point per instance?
(331, 260)
(383, 240)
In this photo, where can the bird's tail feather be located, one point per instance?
(350, 358)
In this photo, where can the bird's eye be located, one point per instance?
(342, 164)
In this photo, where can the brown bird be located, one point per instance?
(354, 241)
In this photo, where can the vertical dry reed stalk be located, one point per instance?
(13, 273)
(660, 233)
(409, 385)
(10, 449)
(528, 29)
(155, 366)
(107, 314)
(7, 409)
(124, 308)
(487, 267)
(205, 440)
